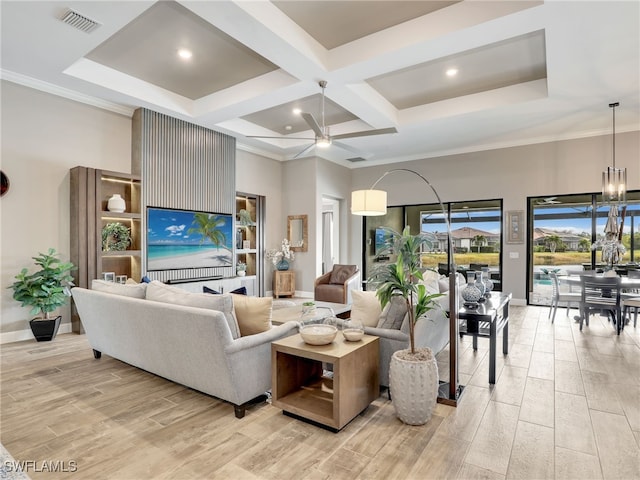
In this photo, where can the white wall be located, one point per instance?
(513, 174)
(43, 136)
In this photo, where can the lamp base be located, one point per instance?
(444, 396)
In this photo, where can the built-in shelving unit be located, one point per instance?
(250, 237)
(90, 190)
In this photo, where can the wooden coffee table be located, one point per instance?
(302, 389)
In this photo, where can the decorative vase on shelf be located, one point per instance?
(471, 294)
(282, 265)
(486, 280)
(116, 203)
(241, 273)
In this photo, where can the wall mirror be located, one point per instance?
(298, 236)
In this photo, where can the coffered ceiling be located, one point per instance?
(525, 71)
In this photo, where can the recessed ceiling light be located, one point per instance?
(297, 111)
(288, 127)
(452, 72)
(184, 53)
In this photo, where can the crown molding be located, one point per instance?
(65, 92)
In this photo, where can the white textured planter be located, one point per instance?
(414, 387)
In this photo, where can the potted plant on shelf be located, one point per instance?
(44, 291)
(241, 269)
(413, 372)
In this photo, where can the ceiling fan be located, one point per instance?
(323, 138)
(548, 201)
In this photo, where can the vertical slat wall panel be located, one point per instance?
(183, 166)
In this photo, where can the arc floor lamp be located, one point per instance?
(373, 202)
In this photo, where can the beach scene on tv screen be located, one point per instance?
(179, 239)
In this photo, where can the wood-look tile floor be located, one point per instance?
(566, 405)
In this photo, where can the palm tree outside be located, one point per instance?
(479, 240)
(553, 242)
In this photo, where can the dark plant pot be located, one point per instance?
(45, 329)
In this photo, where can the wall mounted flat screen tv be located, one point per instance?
(181, 239)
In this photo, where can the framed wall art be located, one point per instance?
(515, 226)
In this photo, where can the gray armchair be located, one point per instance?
(336, 286)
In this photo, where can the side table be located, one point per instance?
(284, 283)
(302, 389)
(486, 321)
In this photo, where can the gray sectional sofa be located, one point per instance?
(188, 345)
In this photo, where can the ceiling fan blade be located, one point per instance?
(365, 133)
(313, 124)
(305, 150)
(346, 147)
(280, 138)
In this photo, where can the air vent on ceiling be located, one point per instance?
(356, 159)
(76, 20)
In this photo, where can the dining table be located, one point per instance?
(628, 284)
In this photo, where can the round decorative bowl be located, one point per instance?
(353, 334)
(353, 330)
(318, 334)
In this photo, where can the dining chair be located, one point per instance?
(628, 304)
(557, 297)
(601, 294)
(631, 298)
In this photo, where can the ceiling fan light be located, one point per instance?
(323, 142)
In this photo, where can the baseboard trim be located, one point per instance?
(22, 335)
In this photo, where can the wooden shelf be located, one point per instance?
(122, 253)
(90, 192)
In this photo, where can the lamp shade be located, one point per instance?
(369, 202)
(614, 185)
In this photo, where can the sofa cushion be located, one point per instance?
(238, 291)
(365, 307)
(253, 313)
(159, 292)
(430, 280)
(393, 313)
(137, 290)
(341, 273)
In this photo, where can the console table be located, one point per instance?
(487, 320)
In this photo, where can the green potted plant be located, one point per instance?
(413, 372)
(241, 269)
(44, 291)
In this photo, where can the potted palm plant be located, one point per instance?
(413, 372)
(44, 291)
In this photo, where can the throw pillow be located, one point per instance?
(145, 279)
(159, 292)
(238, 291)
(393, 314)
(135, 291)
(253, 313)
(365, 307)
(341, 273)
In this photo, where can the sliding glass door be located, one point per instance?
(476, 229)
(562, 232)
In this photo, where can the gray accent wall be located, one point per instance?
(183, 166)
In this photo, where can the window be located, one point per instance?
(476, 229)
(564, 229)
